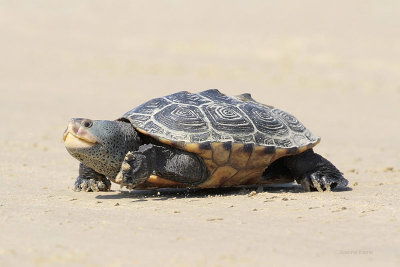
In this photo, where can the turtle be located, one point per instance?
(198, 140)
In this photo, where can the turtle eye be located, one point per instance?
(87, 123)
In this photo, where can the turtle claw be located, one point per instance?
(319, 182)
(133, 170)
(305, 183)
(91, 185)
(91, 181)
(122, 177)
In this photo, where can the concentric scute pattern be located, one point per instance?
(266, 121)
(186, 118)
(210, 116)
(150, 106)
(228, 119)
(290, 120)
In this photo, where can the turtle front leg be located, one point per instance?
(135, 169)
(314, 172)
(167, 162)
(91, 181)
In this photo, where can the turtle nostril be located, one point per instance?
(87, 123)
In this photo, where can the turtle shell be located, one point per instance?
(236, 136)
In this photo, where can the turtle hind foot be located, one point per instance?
(314, 172)
(318, 181)
(91, 181)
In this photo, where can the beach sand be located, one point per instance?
(335, 66)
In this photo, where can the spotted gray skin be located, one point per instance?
(116, 142)
(104, 158)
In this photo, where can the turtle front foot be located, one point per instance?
(91, 185)
(91, 181)
(134, 170)
(318, 181)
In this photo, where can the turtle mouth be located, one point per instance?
(76, 136)
(73, 141)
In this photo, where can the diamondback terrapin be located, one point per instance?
(202, 140)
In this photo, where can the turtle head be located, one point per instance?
(100, 144)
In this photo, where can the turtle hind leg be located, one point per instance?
(278, 173)
(314, 172)
(91, 181)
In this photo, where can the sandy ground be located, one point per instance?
(334, 65)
